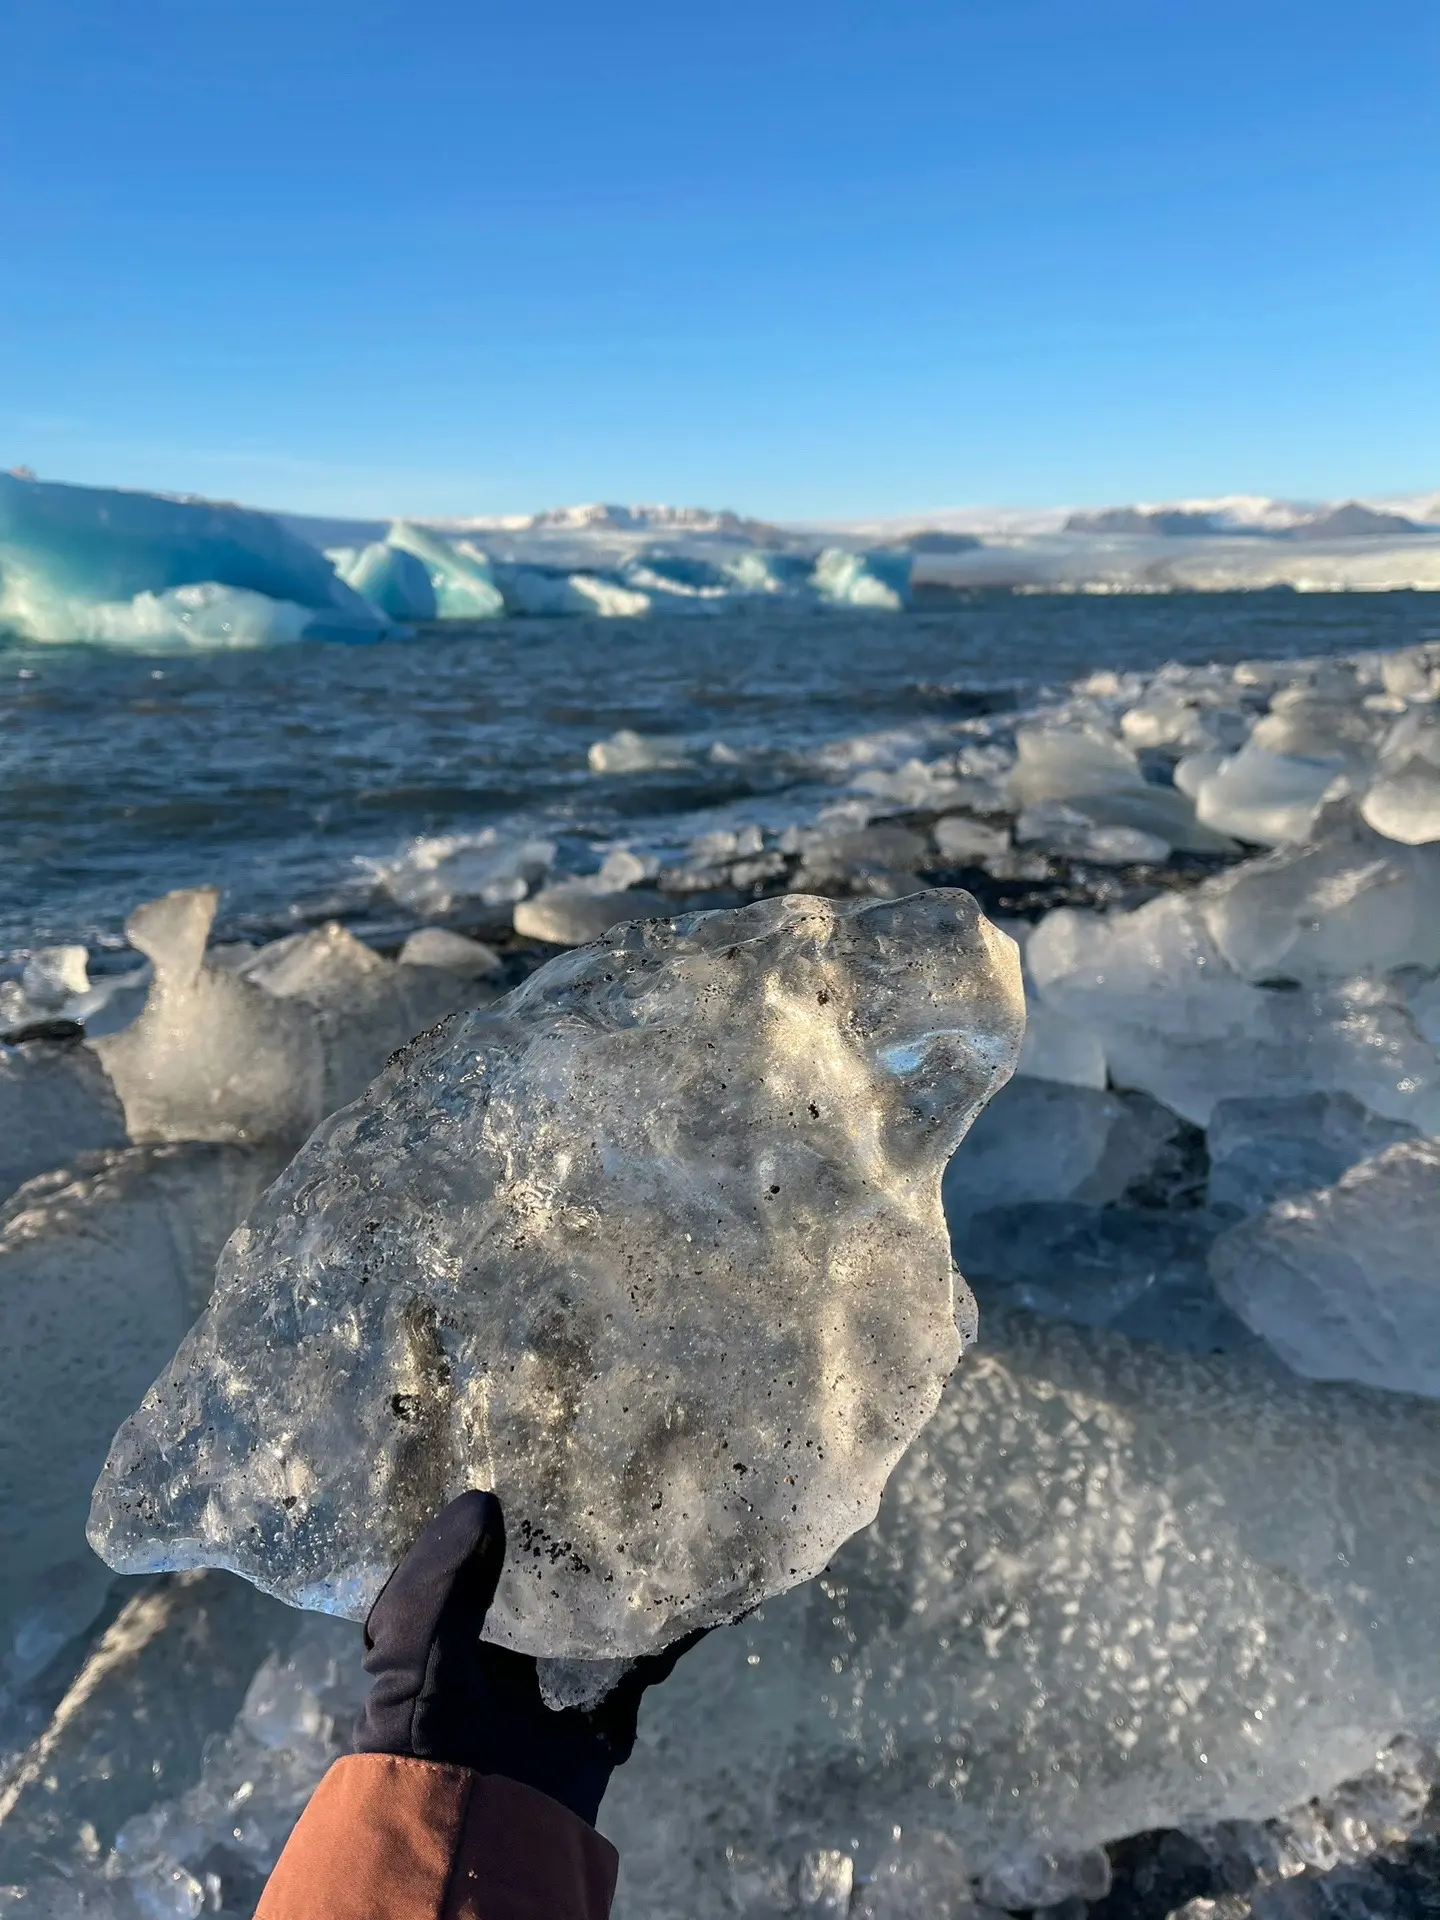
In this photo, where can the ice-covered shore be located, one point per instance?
(1162, 1560)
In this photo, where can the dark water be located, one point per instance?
(281, 775)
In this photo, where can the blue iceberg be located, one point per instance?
(139, 569)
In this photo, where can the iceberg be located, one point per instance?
(879, 579)
(394, 582)
(140, 569)
(654, 1248)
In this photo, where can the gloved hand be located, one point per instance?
(442, 1693)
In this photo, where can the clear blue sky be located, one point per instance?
(803, 259)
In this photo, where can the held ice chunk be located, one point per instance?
(654, 1248)
(1344, 1283)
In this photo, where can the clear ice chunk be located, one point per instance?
(1343, 1282)
(654, 1248)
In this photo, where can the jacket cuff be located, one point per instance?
(386, 1838)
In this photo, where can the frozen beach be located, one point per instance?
(1161, 1561)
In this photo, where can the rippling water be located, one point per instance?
(288, 776)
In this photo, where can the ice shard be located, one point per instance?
(654, 1247)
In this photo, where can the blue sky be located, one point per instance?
(807, 260)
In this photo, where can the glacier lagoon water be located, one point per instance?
(298, 777)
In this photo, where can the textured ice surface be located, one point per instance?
(1177, 1022)
(460, 576)
(159, 1686)
(1345, 1282)
(55, 1102)
(1110, 1589)
(261, 1050)
(655, 1249)
(103, 1266)
(230, 1786)
(1261, 1147)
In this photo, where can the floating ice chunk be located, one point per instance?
(1060, 763)
(212, 1057)
(539, 591)
(56, 1101)
(1348, 901)
(461, 580)
(392, 580)
(451, 952)
(1343, 1282)
(102, 1268)
(655, 1249)
(1261, 1148)
(1268, 797)
(1177, 1022)
(1111, 1589)
(879, 579)
(630, 752)
(754, 570)
(53, 974)
(572, 913)
(438, 873)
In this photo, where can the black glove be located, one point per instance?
(442, 1693)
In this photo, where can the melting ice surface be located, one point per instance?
(654, 1248)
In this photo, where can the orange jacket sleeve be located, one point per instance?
(393, 1839)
